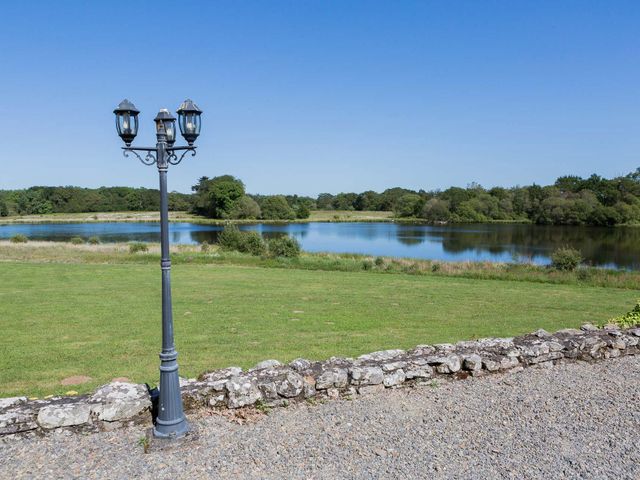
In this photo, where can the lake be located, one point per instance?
(605, 247)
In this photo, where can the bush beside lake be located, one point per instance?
(251, 242)
(19, 238)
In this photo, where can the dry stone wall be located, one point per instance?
(271, 383)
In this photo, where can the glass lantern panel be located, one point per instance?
(125, 123)
(134, 124)
(170, 130)
(190, 123)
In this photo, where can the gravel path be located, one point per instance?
(570, 421)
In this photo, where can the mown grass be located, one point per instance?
(102, 319)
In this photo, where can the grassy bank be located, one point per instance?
(48, 252)
(103, 320)
(97, 217)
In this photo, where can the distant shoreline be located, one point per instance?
(324, 216)
(332, 216)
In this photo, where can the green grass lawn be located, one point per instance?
(103, 321)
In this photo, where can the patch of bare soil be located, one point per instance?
(75, 380)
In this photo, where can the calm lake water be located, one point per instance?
(606, 247)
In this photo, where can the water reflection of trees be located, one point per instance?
(200, 236)
(610, 246)
(599, 246)
(297, 230)
(411, 236)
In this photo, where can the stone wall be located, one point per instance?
(272, 384)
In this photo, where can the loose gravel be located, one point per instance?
(571, 421)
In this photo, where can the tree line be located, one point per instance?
(571, 200)
(225, 197)
(43, 200)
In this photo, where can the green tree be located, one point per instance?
(217, 197)
(436, 210)
(569, 183)
(179, 202)
(409, 205)
(455, 196)
(301, 205)
(134, 201)
(390, 197)
(275, 207)
(368, 200)
(603, 215)
(324, 201)
(246, 208)
(302, 210)
(344, 201)
(521, 203)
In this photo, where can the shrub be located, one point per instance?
(204, 247)
(412, 268)
(230, 238)
(367, 265)
(284, 247)
(629, 319)
(379, 261)
(76, 240)
(583, 274)
(136, 247)
(94, 240)
(252, 243)
(19, 238)
(566, 258)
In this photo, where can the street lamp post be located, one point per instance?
(171, 421)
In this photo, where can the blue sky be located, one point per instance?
(324, 96)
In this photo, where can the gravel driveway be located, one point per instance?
(570, 421)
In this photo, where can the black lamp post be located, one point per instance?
(170, 422)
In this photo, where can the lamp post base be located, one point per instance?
(174, 430)
(171, 421)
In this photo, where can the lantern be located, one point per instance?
(127, 121)
(166, 123)
(189, 120)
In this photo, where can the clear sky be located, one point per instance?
(324, 96)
